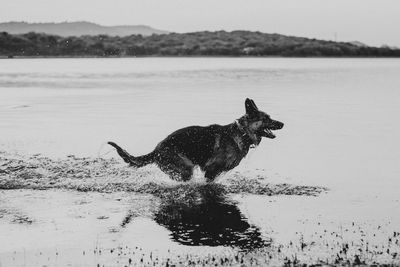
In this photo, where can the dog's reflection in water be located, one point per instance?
(200, 215)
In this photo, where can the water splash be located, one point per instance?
(110, 175)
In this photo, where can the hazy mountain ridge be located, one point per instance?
(78, 28)
(220, 43)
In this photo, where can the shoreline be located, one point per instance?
(205, 56)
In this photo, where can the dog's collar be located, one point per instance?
(244, 133)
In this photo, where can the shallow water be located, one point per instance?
(340, 114)
(340, 133)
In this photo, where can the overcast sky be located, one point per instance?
(374, 22)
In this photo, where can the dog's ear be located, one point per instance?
(251, 108)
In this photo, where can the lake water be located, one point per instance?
(341, 125)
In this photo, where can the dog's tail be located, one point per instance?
(134, 161)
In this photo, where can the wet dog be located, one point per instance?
(215, 148)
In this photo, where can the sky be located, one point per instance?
(374, 22)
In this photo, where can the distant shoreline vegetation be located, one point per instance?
(220, 43)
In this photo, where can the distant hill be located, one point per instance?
(359, 44)
(220, 43)
(80, 28)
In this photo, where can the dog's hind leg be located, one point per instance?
(176, 166)
(134, 161)
(178, 173)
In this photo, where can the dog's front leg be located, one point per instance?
(212, 169)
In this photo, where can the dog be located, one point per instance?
(215, 148)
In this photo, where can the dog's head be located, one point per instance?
(258, 124)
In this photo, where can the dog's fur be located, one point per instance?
(214, 148)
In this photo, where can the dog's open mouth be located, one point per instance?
(267, 133)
